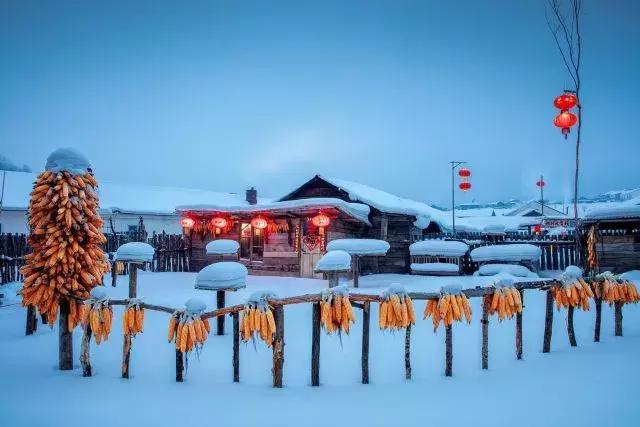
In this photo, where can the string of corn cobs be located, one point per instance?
(452, 305)
(188, 331)
(99, 316)
(133, 319)
(66, 261)
(505, 301)
(257, 320)
(592, 254)
(575, 294)
(396, 309)
(336, 313)
(613, 289)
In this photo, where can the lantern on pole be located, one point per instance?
(259, 223)
(465, 186)
(565, 121)
(464, 173)
(566, 101)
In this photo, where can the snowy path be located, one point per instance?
(593, 384)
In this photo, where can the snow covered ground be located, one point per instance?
(592, 385)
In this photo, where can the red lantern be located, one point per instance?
(187, 222)
(566, 101)
(465, 186)
(464, 173)
(540, 183)
(219, 222)
(321, 220)
(537, 228)
(565, 120)
(259, 222)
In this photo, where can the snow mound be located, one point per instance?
(342, 290)
(612, 212)
(394, 289)
(513, 269)
(195, 306)
(222, 275)
(573, 271)
(494, 229)
(359, 246)
(439, 248)
(67, 159)
(99, 292)
(135, 252)
(504, 280)
(514, 252)
(632, 276)
(259, 298)
(451, 289)
(334, 261)
(8, 165)
(436, 267)
(222, 247)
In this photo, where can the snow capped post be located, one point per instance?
(358, 248)
(332, 264)
(135, 254)
(66, 261)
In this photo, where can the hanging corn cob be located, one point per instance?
(119, 267)
(452, 305)
(97, 313)
(187, 329)
(505, 300)
(257, 318)
(133, 318)
(396, 309)
(336, 313)
(66, 261)
(574, 291)
(612, 289)
(592, 254)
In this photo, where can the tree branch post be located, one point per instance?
(598, 324)
(407, 352)
(618, 318)
(315, 345)
(366, 315)
(236, 347)
(548, 323)
(486, 302)
(519, 329)
(570, 330)
(32, 321)
(220, 301)
(85, 351)
(65, 336)
(278, 347)
(448, 343)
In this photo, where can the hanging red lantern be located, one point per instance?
(537, 228)
(321, 220)
(565, 120)
(219, 222)
(187, 222)
(465, 186)
(259, 222)
(540, 183)
(464, 173)
(566, 101)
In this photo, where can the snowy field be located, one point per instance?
(592, 385)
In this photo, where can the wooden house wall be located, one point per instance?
(396, 230)
(619, 253)
(199, 257)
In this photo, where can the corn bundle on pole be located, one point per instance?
(336, 312)
(66, 261)
(132, 324)
(315, 345)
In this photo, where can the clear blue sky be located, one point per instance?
(227, 94)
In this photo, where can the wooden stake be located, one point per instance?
(179, 366)
(519, 329)
(114, 272)
(570, 331)
(618, 318)
(126, 353)
(32, 321)
(366, 314)
(278, 347)
(85, 351)
(133, 279)
(236, 347)
(486, 301)
(597, 327)
(548, 323)
(65, 339)
(448, 343)
(315, 345)
(333, 279)
(220, 304)
(407, 353)
(356, 270)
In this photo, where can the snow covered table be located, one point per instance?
(437, 257)
(135, 254)
(222, 248)
(514, 253)
(332, 264)
(358, 248)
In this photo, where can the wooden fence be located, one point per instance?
(13, 247)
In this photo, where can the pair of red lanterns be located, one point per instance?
(464, 175)
(217, 222)
(566, 119)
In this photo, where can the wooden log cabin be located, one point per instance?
(287, 237)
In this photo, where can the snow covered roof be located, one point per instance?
(222, 247)
(494, 229)
(359, 246)
(336, 260)
(135, 252)
(8, 165)
(355, 210)
(514, 252)
(451, 248)
(621, 211)
(222, 275)
(534, 206)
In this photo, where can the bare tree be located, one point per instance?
(563, 18)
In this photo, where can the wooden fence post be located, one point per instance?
(570, 331)
(366, 314)
(548, 323)
(519, 328)
(333, 279)
(618, 318)
(32, 321)
(486, 301)
(278, 347)
(133, 279)
(407, 352)
(126, 353)
(114, 272)
(597, 327)
(236, 347)
(65, 338)
(220, 320)
(315, 345)
(448, 368)
(179, 366)
(85, 351)
(356, 270)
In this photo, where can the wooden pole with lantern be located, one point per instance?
(465, 185)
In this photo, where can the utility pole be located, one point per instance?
(454, 166)
(542, 195)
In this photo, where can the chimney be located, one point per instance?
(252, 196)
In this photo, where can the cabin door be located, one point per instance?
(311, 252)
